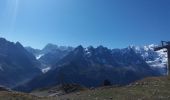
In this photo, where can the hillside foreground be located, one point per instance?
(154, 88)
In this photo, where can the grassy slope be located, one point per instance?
(157, 88)
(147, 89)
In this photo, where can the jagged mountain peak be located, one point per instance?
(80, 47)
(53, 47)
(50, 45)
(90, 69)
(78, 51)
(18, 44)
(2, 39)
(156, 59)
(100, 47)
(17, 65)
(145, 48)
(90, 48)
(49, 48)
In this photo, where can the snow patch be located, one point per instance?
(156, 59)
(39, 56)
(45, 70)
(87, 51)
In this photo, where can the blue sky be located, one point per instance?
(112, 23)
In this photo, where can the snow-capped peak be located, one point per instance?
(156, 59)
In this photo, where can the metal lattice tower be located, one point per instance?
(165, 45)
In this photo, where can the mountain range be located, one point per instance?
(26, 68)
(51, 54)
(91, 66)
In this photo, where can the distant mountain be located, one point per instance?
(91, 66)
(53, 53)
(156, 60)
(35, 52)
(16, 64)
(49, 55)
